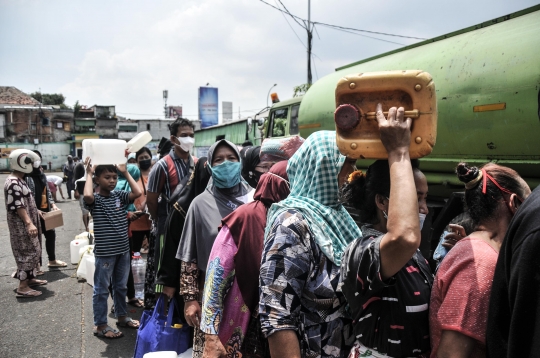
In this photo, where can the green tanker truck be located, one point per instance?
(487, 80)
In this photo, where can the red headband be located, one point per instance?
(485, 177)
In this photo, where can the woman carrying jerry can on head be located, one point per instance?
(386, 280)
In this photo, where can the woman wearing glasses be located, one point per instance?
(462, 287)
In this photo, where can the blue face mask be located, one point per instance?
(226, 174)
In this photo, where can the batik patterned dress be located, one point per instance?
(300, 290)
(26, 249)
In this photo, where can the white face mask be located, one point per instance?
(422, 218)
(36, 164)
(186, 143)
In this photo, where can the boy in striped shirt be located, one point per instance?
(111, 250)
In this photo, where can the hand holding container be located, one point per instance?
(357, 96)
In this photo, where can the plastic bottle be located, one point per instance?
(138, 267)
(139, 141)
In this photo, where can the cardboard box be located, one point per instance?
(53, 219)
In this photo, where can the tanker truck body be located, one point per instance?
(487, 80)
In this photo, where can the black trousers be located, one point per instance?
(50, 241)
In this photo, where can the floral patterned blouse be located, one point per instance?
(300, 291)
(223, 309)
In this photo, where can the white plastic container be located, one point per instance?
(74, 247)
(186, 354)
(81, 270)
(139, 141)
(90, 269)
(163, 354)
(105, 151)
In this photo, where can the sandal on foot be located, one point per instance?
(135, 302)
(57, 263)
(128, 323)
(37, 283)
(103, 333)
(40, 273)
(29, 294)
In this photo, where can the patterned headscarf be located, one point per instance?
(278, 149)
(313, 173)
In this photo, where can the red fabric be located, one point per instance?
(246, 225)
(172, 175)
(461, 290)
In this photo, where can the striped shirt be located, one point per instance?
(163, 179)
(110, 223)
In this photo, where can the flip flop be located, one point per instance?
(126, 323)
(58, 264)
(40, 273)
(135, 303)
(29, 294)
(39, 283)
(102, 333)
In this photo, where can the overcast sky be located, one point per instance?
(126, 52)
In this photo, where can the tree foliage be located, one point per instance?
(76, 109)
(50, 99)
(301, 90)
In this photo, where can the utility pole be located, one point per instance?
(165, 109)
(309, 37)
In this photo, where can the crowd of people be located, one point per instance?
(256, 245)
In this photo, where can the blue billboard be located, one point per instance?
(208, 106)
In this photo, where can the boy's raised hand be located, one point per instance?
(122, 168)
(88, 165)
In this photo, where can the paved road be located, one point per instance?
(59, 322)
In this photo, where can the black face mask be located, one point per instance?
(253, 179)
(145, 164)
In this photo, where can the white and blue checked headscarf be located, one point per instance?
(313, 174)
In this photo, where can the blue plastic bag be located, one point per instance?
(156, 332)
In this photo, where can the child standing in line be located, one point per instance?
(111, 250)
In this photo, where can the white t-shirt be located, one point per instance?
(55, 179)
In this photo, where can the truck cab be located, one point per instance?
(282, 120)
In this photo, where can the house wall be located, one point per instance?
(158, 128)
(107, 128)
(26, 125)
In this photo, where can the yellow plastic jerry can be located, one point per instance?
(357, 96)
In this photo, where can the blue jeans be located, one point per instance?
(110, 268)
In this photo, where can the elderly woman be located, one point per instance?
(23, 223)
(225, 193)
(301, 307)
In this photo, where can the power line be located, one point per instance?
(371, 37)
(342, 27)
(369, 32)
(298, 37)
(289, 13)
